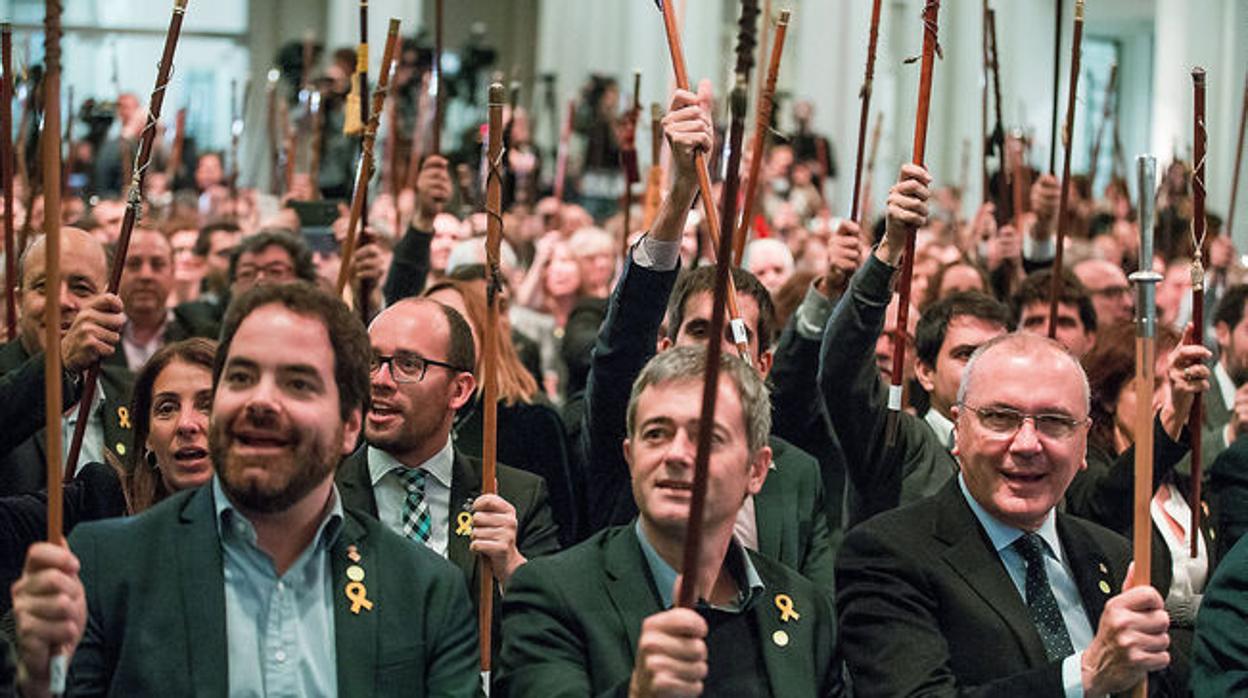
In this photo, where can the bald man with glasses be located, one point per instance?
(985, 588)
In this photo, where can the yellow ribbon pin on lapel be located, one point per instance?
(784, 602)
(123, 417)
(463, 524)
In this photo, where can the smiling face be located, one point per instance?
(83, 275)
(277, 430)
(662, 448)
(178, 431)
(147, 277)
(1018, 478)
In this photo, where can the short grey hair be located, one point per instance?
(689, 363)
(1024, 343)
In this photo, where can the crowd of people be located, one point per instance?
(280, 491)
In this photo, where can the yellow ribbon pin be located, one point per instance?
(785, 603)
(358, 596)
(123, 416)
(463, 523)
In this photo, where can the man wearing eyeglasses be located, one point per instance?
(1112, 297)
(985, 587)
(409, 473)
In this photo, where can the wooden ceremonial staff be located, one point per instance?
(704, 177)
(275, 158)
(6, 174)
(1107, 115)
(1199, 139)
(930, 28)
(1145, 356)
(654, 177)
(998, 132)
(983, 106)
(236, 134)
(364, 289)
(1057, 82)
(628, 160)
(489, 361)
(868, 82)
(58, 664)
(179, 143)
(865, 214)
(762, 124)
(688, 591)
(565, 145)
(365, 169)
(439, 103)
(1055, 288)
(1239, 155)
(134, 204)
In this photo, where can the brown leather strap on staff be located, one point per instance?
(134, 204)
(6, 174)
(930, 28)
(762, 124)
(704, 178)
(1055, 289)
(490, 345)
(1200, 137)
(365, 169)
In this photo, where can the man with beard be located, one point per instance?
(261, 582)
(91, 321)
(1226, 404)
(409, 473)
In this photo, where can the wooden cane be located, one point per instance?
(364, 170)
(1200, 137)
(439, 100)
(1055, 288)
(6, 174)
(1107, 116)
(134, 204)
(1239, 160)
(762, 124)
(1057, 82)
(930, 27)
(739, 335)
(490, 344)
(628, 161)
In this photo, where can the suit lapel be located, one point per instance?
(202, 584)
(465, 487)
(355, 634)
(785, 645)
(1092, 570)
(629, 585)
(769, 518)
(354, 484)
(971, 555)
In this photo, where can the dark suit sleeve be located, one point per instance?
(819, 557)
(537, 533)
(409, 267)
(451, 637)
(1220, 651)
(625, 343)
(1104, 492)
(93, 663)
(543, 653)
(890, 631)
(22, 406)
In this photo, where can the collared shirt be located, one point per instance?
(941, 425)
(92, 450)
(1227, 388)
(137, 354)
(279, 629)
(737, 562)
(390, 492)
(1061, 581)
(1170, 512)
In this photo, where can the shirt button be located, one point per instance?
(280, 655)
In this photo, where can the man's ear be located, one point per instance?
(663, 344)
(760, 465)
(462, 389)
(1221, 332)
(765, 361)
(351, 431)
(925, 375)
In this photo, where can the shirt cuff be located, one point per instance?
(656, 255)
(1072, 675)
(1039, 250)
(812, 314)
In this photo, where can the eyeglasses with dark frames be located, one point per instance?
(409, 367)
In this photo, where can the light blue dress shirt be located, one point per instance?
(391, 493)
(664, 575)
(279, 630)
(1061, 581)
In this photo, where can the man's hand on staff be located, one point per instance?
(845, 255)
(907, 212)
(433, 191)
(1187, 376)
(1131, 640)
(49, 610)
(494, 535)
(689, 131)
(94, 333)
(671, 654)
(1045, 198)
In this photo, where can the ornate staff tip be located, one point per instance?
(1198, 75)
(784, 16)
(498, 95)
(179, 5)
(1078, 10)
(394, 25)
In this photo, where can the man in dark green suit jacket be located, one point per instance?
(261, 582)
(1220, 654)
(598, 619)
